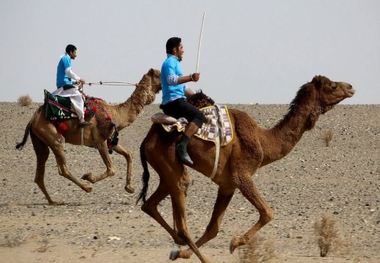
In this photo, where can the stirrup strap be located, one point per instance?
(217, 147)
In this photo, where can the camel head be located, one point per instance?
(148, 86)
(329, 93)
(200, 100)
(319, 96)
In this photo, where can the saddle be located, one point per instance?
(58, 110)
(57, 107)
(217, 126)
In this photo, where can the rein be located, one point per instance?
(112, 83)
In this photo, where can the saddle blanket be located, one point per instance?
(218, 123)
(57, 107)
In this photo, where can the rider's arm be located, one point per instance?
(191, 77)
(70, 73)
(173, 79)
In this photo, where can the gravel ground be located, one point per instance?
(340, 182)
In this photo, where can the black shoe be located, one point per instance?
(182, 153)
(84, 124)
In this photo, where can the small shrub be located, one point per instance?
(257, 250)
(327, 136)
(327, 235)
(24, 100)
(14, 240)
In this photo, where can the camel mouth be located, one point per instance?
(350, 93)
(348, 90)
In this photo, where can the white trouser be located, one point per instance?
(76, 100)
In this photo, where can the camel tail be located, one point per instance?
(145, 175)
(20, 145)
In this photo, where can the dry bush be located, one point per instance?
(327, 136)
(14, 240)
(24, 100)
(328, 236)
(257, 250)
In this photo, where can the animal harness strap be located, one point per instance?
(217, 146)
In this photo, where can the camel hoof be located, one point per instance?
(174, 254)
(185, 253)
(129, 189)
(88, 189)
(88, 177)
(234, 244)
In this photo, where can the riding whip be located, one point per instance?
(199, 43)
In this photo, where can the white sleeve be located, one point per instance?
(70, 73)
(172, 80)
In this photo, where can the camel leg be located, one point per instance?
(58, 151)
(42, 154)
(249, 191)
(178, 201)
(47, 135)
(128, 157)
(222, 201)
(103, 151)
(150, 207)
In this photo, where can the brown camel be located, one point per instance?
(251, 148)
(45, 135)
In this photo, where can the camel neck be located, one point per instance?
(285, 135)
(127, 112)
(292, 126)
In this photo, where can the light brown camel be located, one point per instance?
(45, 135)
(251, 148)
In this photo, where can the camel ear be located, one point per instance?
(151, 72)
(317, 81)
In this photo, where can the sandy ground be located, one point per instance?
(341, 181)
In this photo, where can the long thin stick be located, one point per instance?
(111, 83)
(199, 43)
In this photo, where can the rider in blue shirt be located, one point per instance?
(174, 93)
(65, 81)
(171, 70)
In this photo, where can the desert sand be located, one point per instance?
(340, 182)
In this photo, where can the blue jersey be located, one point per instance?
(62, 78)
(171, 70)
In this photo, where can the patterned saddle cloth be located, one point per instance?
(217, 127)
(58, 108)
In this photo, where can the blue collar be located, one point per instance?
(171, 55)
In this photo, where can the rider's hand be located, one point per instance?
(81, 82)
(195, 76)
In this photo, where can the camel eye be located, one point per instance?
(333, 85)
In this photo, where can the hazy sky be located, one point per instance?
(252, 51)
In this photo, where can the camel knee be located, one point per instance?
(144, 208)
(183, 235)
(110, 172)
(213, 231)
(267, 216)
(38, 180)
(128, 157)
(65, 173)
(148, 208)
